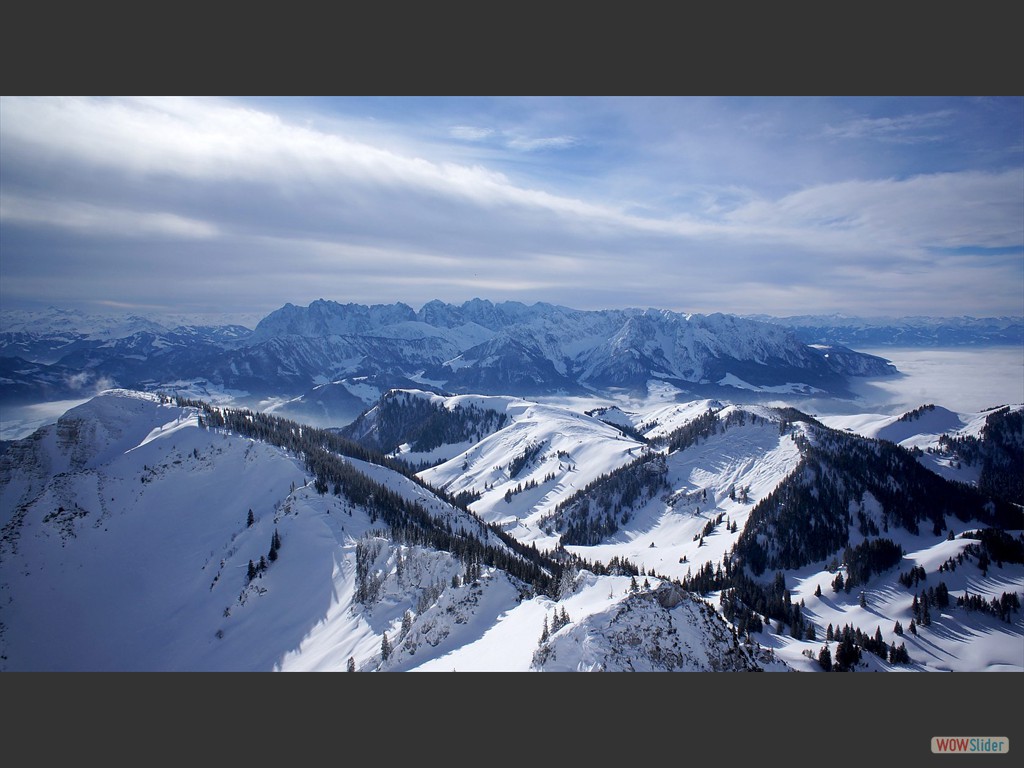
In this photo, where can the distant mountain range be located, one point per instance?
(902, 331)
(329, 361)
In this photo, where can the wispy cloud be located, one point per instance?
(904, 129)
(511, 139)
(88, 219)
(948, 210)
(536, 144)
(470, 133)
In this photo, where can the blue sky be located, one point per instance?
(776, 205)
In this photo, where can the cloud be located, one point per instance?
(550, 142)
(99, 220)
(129, 200)
(470, 133)
(511, 139)
(207, 141)
(947, 210)
(905, 129)
(78, 382)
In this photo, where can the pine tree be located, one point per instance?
(406, 623)
(252, 571)
(385, 647)
(825, 658)
(847, 653)
(544, 635)
(351, 664)
(899, 655)
(984, 562)
(817, 591)
(250, 519)
(863, 600)
(898, 628)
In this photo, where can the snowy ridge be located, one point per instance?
(135, 484)
(141, 488)
(722, 476)
(925, 430)
(561, 451)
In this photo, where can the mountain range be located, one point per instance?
(327, 362)
(498, 486)
(903, 331)
(495, 532)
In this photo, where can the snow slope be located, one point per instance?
(921, 429)
(702, 480)
(126, 545)
(571, 449)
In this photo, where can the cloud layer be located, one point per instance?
(202, 204)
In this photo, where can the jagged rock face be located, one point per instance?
(328, 318)
(661, 630)
(549, 347)
(669, 596)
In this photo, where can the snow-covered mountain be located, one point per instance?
(141, 532)
(479, 502)
(134, 538)
(983, 449)
(48, 336)
(476, 347)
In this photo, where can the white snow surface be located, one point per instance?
(573, 447)
(124, 546)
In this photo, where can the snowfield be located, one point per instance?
(126, 545)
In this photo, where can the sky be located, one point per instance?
(869, 206)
